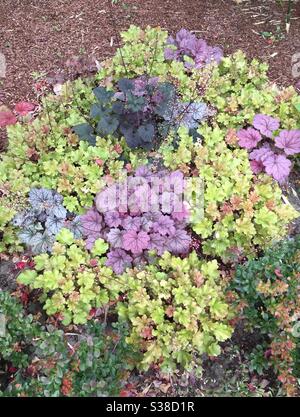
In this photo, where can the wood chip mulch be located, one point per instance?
(38, 36)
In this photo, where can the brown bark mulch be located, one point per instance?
(38, 36)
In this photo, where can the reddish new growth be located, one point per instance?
(67, 385)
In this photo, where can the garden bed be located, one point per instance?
(149, 227)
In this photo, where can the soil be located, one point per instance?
(8, 274)
(38, 36)
(225, 375)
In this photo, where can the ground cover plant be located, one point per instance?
(146, 201)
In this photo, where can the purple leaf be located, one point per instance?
(135, 242)
(132, 223)
(182, 215)
(143, 171)
(187, 44)
(158, 243)
(148, 219)
(164, 225)
(248, 138)
(171, 54)
(91, 222)
(145, 224)
(289, 141)
(89, 243)
(113, 219)
(278, 166)
(152, 216)
(261, 154)
(115, 238)
(266, 124)
(214, 54)
(118, 260)
(179, 243)
(257, 166)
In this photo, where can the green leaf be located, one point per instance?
(213, 349)
(219, 309)
(221, 331)
(65, 236)
(27, 277)
(99, 248)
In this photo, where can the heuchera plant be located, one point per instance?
(241, 212)
(72, 280)
(134, 111)
(42, 221)
(7, 117)
(39, 360)
(192, 51)
(153, 220)
(177, 311)
(271, 156)
(142, 110)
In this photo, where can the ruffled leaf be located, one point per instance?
(266, 124)
(248, 138)
(278, 166)
(91, 222)
(115, 238)
(118, 260)
(179, 242)
(135, 242)
(289, 141)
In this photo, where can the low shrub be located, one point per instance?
(42, 363)
(270, 288)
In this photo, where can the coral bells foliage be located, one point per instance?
(42, 221)
(145, 213)
(136, 111)
(70, 280)
(271, 156)
(241, 212)
(192, 51)
(8, 117)
(177, 311)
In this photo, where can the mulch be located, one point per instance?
(38, 36)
